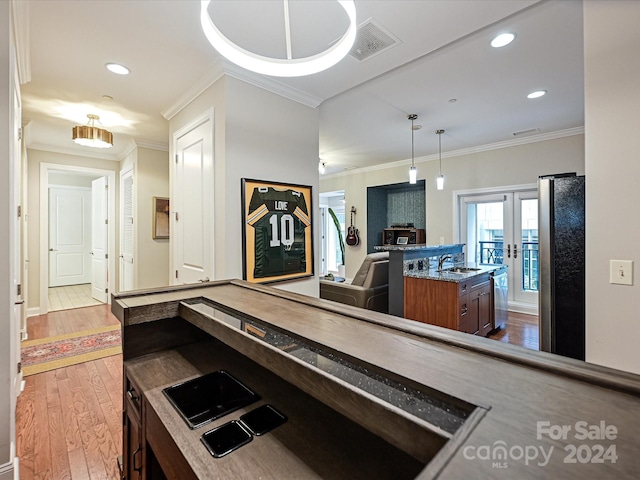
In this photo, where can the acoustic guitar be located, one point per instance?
(352, 232)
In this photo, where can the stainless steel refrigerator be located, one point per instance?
(561, 231)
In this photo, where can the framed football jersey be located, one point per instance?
(277, 233)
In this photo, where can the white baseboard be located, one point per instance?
(9, 471)
(33, 312)
(525, 308)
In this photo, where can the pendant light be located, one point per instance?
(91, 136)
(413, 173)
(440, 179)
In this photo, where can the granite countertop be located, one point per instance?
(434, 274)
(417, 246)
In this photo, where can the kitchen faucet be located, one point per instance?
(442, 259)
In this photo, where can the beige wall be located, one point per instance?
(258, 135)
(516, 165)
(34, 159)
(151, 179)
(612, 103)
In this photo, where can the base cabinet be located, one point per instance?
(464, 306)
(133, 443)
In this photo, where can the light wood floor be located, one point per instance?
(69, 421)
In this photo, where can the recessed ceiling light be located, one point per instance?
(503, 39)
(537, 94)
(117, 68)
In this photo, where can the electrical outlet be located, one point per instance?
(441, 240)
(621, 272)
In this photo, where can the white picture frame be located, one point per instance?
(402, 240)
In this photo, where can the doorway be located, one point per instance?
(501, 227)
(332, 254)
(77, 251)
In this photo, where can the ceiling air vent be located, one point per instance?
(371, 40)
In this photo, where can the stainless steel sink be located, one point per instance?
(459, 270)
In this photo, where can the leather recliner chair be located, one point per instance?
(369, 288)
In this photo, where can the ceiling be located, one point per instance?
(441, 68)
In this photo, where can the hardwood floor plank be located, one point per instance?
(95, 465)
(93, 404)
(59, 459)
(70, 422)
(78, 465)
(113, 385)
(41, 448)
(25, 431)
(114, 364)
(108, 450)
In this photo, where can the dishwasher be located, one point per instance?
(500, 297)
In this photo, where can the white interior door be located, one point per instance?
(192, 204)
(69, 235)
(19, 317)
(127, 272)
(99, 239)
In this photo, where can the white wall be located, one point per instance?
(612, 119)
(258, 135)
(151, 179)
(515, 165)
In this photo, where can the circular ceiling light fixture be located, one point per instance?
(117, 68)
(537, 94)
(280, 67)
(503, 39)
(91, 136)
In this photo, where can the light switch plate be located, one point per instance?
(621, 272)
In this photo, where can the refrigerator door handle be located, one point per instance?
(508, 250)
(515, 250)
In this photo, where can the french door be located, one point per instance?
(502, 228)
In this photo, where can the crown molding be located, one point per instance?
(163, 147)
(215, 73)
(569, 132)
(271, 85)
(70, 151)
(223, 68)
(21, 28)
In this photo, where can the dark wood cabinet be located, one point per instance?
(133, 443)
(407, 236)
(463, 306)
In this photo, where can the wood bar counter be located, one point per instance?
(367, 395)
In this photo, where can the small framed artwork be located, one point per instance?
(277, 231)
(402, 240)
(160, 218)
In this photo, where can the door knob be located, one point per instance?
(515, 250)
(508, 250)
(53, 249)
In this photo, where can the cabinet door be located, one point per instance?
(473, 323)
(484, 310)
(463, 321)
(133, 449)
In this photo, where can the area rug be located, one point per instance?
(60, 351)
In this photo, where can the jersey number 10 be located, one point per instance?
(285, 234)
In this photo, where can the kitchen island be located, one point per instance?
(367, 395)
(404, 259)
